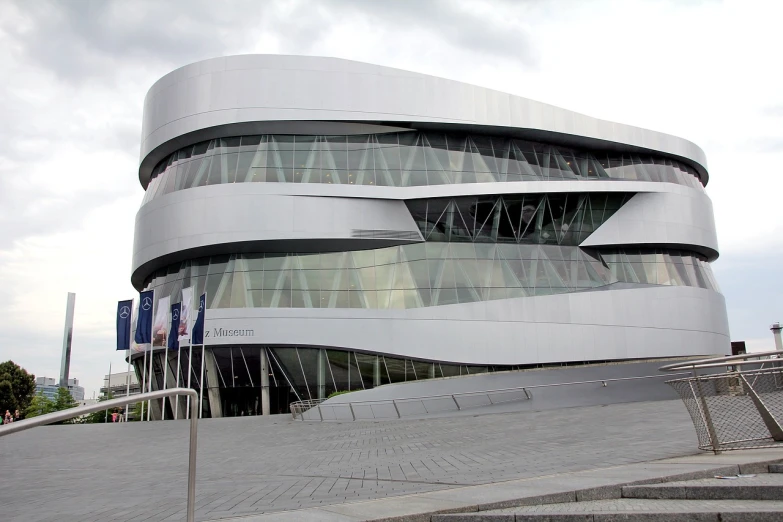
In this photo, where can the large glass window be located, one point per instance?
(234, 380)
(418, 275)
(399, 159)
(561, 219)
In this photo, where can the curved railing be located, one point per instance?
(739, 408)
(299, 407)
(71, 413)
(449, 400)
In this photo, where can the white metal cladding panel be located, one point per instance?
(663, 218)
(218, 215)
(240, 212)
(437, 191)
(250, 88)
(598, 325)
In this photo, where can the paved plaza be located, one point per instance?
(257, 465)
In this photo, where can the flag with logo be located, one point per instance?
(186, 316)
(124, 324)
(175, 320)
(160, 325)
(198, 328)
(144, 319)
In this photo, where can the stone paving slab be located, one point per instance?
(553, 489)
(251, 466)
(266, 468)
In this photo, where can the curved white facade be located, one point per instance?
(344, 215)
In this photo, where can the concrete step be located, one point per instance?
(766, 486)
(641, 510)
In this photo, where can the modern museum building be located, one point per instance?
(354, 225)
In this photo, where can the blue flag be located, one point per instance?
(124, 324)
(198, 328)
(144, 321)
(174, 331)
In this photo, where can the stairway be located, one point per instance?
(736, 498)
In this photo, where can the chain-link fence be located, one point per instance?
(736, 409)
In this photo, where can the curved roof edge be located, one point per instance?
(204, 97)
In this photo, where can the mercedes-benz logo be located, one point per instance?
(124, 312)
(146, 303)
(175, 315)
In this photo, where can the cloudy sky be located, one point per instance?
(73, 76)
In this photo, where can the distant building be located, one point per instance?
(88, 402)
(738, 348)
(48, 386)
(117, 384)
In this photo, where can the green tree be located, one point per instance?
(64, 400)
(135, 412)
(40, 405)
(17, 387)
(7, 399)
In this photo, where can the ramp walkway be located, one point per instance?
(504, 392)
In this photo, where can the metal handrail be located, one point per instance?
(70, 413)
(318, 402)
(704, 410)
(714, 362)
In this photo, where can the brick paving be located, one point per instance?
(255, 465)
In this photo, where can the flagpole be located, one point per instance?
(201, 392)
(108, 389)
(152, 351)
(127, 384)
(190, 370)
(149, 379)
(166, 365)
(143, 383)
(176, 403)
(190, 345)
(165, 374)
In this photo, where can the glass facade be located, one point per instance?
(234, 375)
(400, 160)
(422, 274)
(556, 219)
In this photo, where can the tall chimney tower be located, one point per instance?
(65, 363)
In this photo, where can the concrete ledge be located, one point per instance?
(747, 516)
(766, 486)
(705, 492)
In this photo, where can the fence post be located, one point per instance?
(774, 428)
(707, 417)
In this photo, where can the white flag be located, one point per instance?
(186, 316)
(160, 325)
